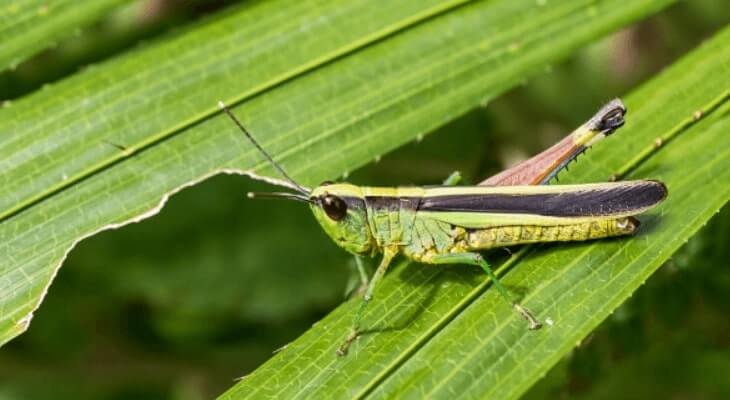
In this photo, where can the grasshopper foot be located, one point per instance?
(525, 313)
(342, 350)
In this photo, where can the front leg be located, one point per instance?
(358, 279)
(477, 259)
(355, 331)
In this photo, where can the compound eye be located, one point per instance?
(334, 207)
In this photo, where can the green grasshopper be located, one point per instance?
(450, 224)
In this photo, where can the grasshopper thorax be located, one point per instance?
(340, 210)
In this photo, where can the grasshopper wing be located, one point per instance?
(481, 207)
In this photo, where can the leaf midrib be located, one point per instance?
(457, 309)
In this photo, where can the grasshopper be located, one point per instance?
(450, 224)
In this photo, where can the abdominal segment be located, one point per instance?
(480, 239)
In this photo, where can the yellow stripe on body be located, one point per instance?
(398, 191)
(489, 220)
(349, 190)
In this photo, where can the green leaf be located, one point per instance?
(29, 26)
(107, 146)
(435, 332)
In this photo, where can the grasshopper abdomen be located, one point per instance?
(487, 238)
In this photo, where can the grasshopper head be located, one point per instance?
(340, 210)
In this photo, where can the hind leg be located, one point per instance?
(477, 259)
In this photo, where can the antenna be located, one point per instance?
(278, 195)
(297, 186)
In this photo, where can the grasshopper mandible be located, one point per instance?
(450, 224)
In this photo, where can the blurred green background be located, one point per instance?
(182, 304)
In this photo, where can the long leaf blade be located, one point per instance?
(131, 107)
(436, 333)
